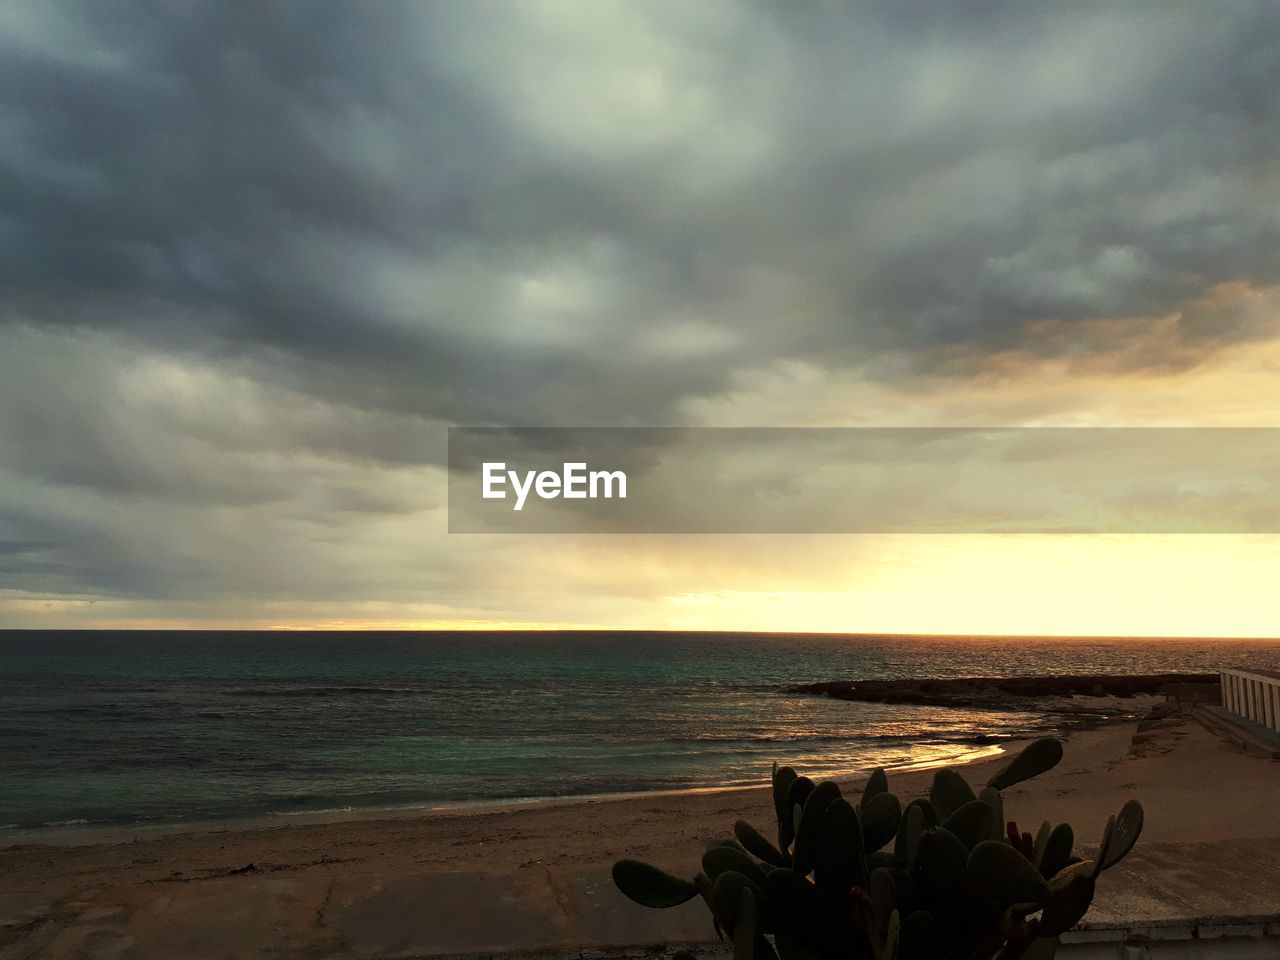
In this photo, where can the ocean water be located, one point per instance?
(102, 728)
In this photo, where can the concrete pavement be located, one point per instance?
(1176, 888)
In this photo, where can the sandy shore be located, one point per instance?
(429, 884)
(1193, 786)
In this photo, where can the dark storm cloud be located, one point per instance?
(371, 190)
(256, 256)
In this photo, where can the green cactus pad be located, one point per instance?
(939, 869)
(881, 816)
(704, 885)
(1036, 758)
(931, 818)
(721, 859)
(1057, 850)
(799, 792)
(744, 925)
(1042, 838)
(949, 793)
(755, 844)
(839, 858)
(1104, 846)
(1070, 894)
(1000, 871)
(909, 833)
(783, 778)
(726, 895)
(1084, 866)
(991, 797)
(1128, 828)
(884, 900)
(905, 889)
(887, 949)
(651, 887)
(971, 823)
(877, 783)
(807, 831)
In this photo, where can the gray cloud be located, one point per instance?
(255, 258)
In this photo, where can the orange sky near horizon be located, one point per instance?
(1021, 584)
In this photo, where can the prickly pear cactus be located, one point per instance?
(945, 877)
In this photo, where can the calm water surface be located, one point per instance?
(102, 728)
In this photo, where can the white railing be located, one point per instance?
(1254, 696)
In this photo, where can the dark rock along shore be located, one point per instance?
(1051, 696)
(997, 691)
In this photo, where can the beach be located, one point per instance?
(343, 888)
(451, 453)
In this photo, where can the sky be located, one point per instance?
(256, 259)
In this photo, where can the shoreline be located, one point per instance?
(1066, 711)
(90, 834)
(1101, 769)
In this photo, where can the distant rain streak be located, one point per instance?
(574, 482)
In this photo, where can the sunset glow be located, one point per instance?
(1053, 234)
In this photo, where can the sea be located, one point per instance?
(107, 729)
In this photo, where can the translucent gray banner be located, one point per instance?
(864, 480)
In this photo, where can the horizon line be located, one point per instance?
(627, 630)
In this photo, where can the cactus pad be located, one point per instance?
(651, 887)
(1036, 758)
(1002, 872)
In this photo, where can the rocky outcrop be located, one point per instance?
(1015, 693)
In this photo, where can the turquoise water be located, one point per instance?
(119, 727)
